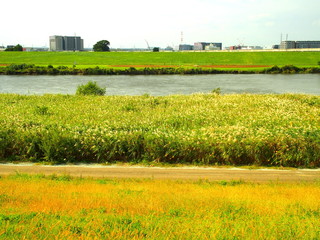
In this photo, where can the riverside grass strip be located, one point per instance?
(299, 59)
(25, 69)
(62, 207)
(200, 129)
(133, 63)
(147, 63)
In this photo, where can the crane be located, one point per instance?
(148, 45)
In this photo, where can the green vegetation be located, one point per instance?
(24, 69)
(91, 88)
(210, 129)
(17, 48)
(102, 46)
(113, 63)
(216, 91)
(62, 207)
(179, 59)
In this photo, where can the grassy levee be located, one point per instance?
(86, 59)
(60, 207)
(207, 129)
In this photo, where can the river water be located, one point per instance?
(160, 85)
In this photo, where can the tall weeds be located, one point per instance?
(267, 130)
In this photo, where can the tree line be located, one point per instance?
(17, 48)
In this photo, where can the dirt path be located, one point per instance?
(213, 174)
(200, 66)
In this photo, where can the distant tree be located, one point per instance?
(18, 48)
(15, 48)
(102, 46)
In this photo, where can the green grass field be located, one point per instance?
(61, 207)
(185, 59)
(207, 129)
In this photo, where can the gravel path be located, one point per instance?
(192, 173)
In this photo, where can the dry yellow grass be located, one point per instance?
(156, 209)
(145, 196)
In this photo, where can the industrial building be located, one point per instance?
(185, 47)
(198, 46)
(35, 49)
(307, 44)
(213, 46)
(66, 43)
(299, 44)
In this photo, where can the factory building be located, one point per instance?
(287, 45)
(213, 46)
(207, 46)
(66, 43)
(299, 44)
(185, 47)
(307, 44)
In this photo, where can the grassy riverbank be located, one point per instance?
(263, 130)
(122, 60)
(25, 69)
(60, 207)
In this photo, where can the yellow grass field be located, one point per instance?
(61, 207)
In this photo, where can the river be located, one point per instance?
(160, 85)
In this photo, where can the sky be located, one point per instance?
(133, 23)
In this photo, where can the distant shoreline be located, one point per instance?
(156, 63)
(31, 69)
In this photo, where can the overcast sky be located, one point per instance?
(129, 23)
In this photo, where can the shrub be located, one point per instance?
(41, 110)
(290, 69)
(274, 69)
(216, 91)
(91, 88)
